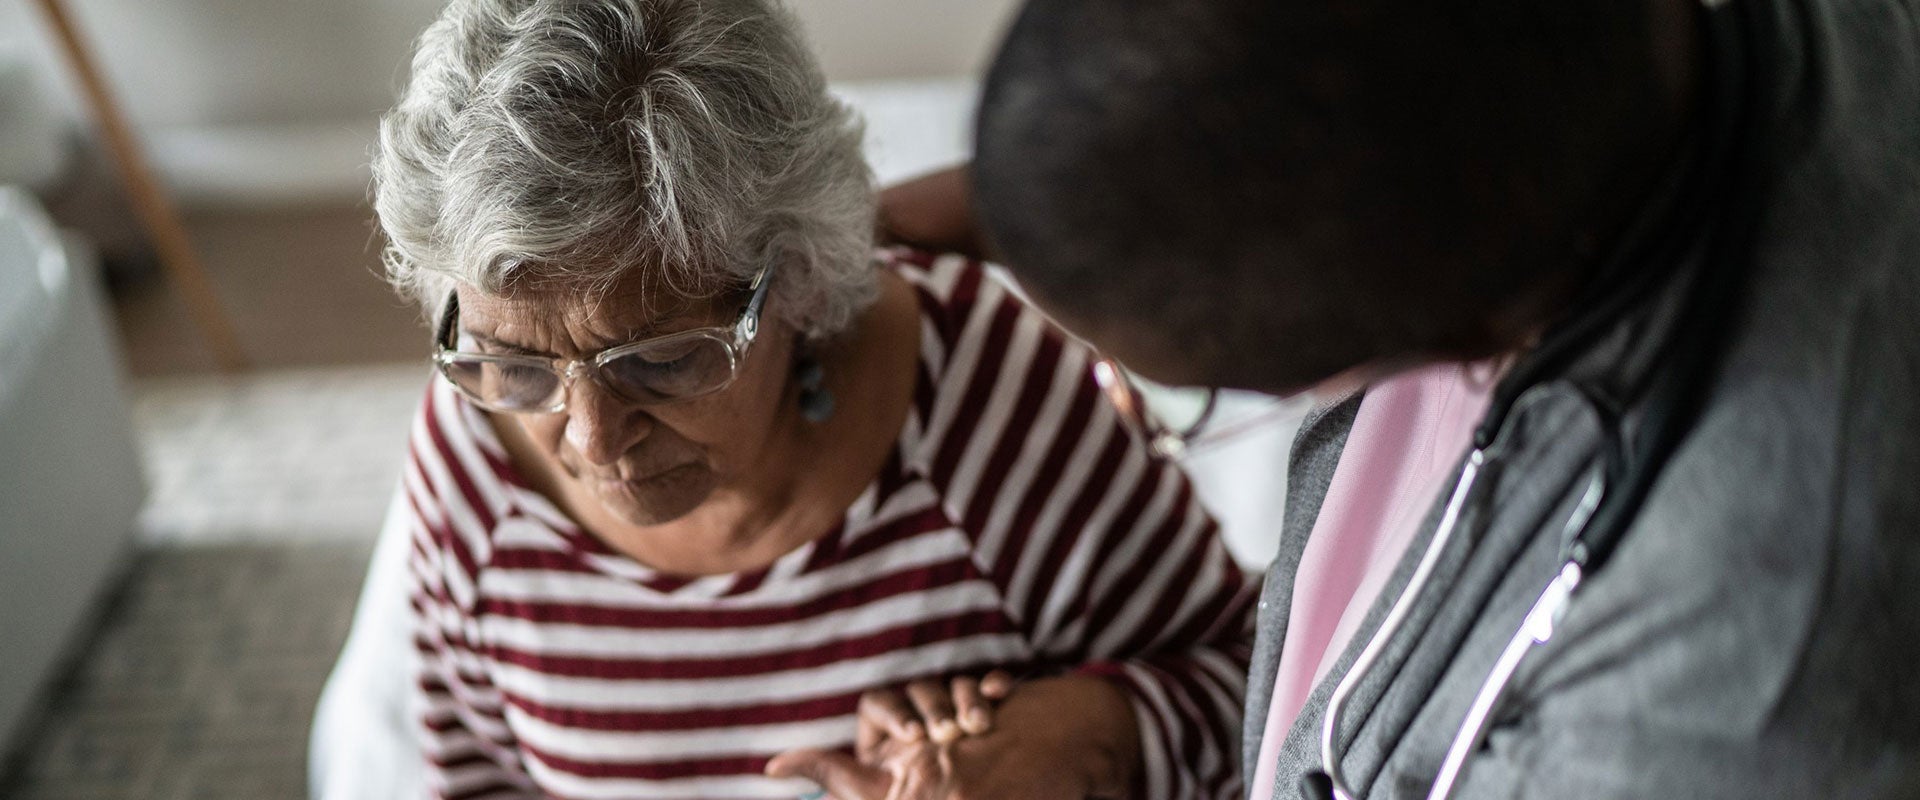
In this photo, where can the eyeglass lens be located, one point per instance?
(662, 371)
(671, 370)
(512, 386)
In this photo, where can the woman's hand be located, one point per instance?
(943, 711)
(1054, 738)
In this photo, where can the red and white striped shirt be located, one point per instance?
(1016, 524)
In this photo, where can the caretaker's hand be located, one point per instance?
(933, 212)
(1067, 737)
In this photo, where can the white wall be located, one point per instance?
(880, 39)
(275, 99)
(237, 62)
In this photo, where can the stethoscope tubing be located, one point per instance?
(1614, 494)
(1537, 629)
(1396, 617)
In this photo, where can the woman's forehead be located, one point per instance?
(628, 307)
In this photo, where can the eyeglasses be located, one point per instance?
(1179, 421)
(664, 369)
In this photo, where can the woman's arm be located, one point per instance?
(1100, 553)
(1156, 726)
(1064, 737)
(1116, 572)
(468, 749)
(1169, 620)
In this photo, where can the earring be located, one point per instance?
(816, 402)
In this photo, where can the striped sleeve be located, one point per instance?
(470, 753)
(1104, 554)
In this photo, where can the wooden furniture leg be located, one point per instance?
(157, 213)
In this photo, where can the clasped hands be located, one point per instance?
(971, 739)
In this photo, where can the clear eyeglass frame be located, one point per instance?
(735, 339)
(1165, 438)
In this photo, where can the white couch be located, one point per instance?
(70, 476)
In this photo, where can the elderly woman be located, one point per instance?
(702, 467)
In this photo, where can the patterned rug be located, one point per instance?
(297, 455)
(200, 679)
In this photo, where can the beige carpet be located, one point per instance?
(200, 679)
(300, 454)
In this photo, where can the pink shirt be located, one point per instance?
(1410, 432)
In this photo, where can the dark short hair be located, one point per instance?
(1348, 181)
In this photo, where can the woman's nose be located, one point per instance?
(602, 427)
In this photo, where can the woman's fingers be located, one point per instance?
(886, 713)
(835, 773)
(974, 699)
(931, 698)
(970, 707)
(942, 711)
(997, 685)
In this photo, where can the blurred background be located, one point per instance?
(181, 545)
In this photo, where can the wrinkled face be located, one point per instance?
(645, 464)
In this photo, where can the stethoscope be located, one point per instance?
(1536, 629)
(1631, 460)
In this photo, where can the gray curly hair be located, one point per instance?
(569, 142)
